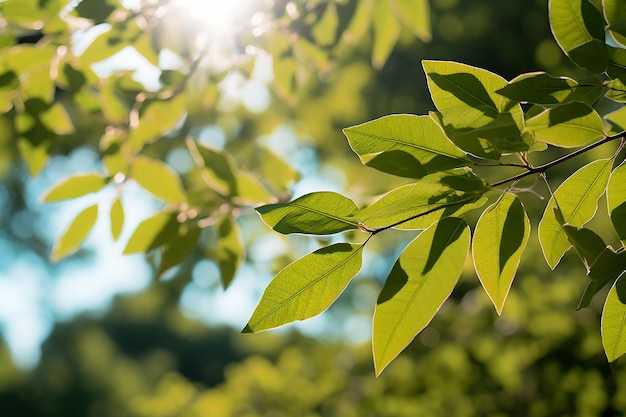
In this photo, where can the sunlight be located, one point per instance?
(221, 17)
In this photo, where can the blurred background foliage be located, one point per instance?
(145, 355)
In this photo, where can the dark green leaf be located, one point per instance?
(306, 287)
(615, 15)
(421, 280)
(543, 88)
(319, 213)
(404, 145)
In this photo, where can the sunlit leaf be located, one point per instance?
(613, 324)
(386, 32)
(230, 251)
(617, 90)
(616, 199)
(306, 287)
(568, 125)
(159, 179)
(74, 186)
(578, 28)
(325, 30)
(415, 14)
(57, 120)
(577, 199)
(249, 190)
(422, 278)
(273, 169)
(420, 204)
(404, 145)
(117, 218)
(473, 115)
(152, 233)
(500, 237)
(107, 44)
(615, 15)
(73, 237)
(156, 119)
(319, 213)
(34, 153)
(543, 88)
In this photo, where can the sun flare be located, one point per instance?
(220, 16)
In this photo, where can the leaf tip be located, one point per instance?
(247, 329)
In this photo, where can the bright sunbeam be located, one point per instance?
(219, 16)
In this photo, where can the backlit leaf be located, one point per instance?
(157, 118)
(404, 145)
(178, 247)
(421, 280)
(500, 237)
(577, 199)
(73, 237)
(152, 233)
(386, 32)
(319, 213)
(159, 179)
(415, 14)
(568, 125)
(543, 88)
(230, 249)
(613, 324)
(616, 199)
(306, 287)
(424, 202)
(615, 15)
(74, 186)
(117, 218)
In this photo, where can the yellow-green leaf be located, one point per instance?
(577, 199)
(500, 237)
(74, 186)
(386, 32)
(306, 287)
(616, 198)
(159, 179)
(117, 218)
(421, 280)
(152, 233)
(230, 249)
(73, 237)
(415, 14)
(613, 323)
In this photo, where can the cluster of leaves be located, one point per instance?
(56, 100)
(481, 121)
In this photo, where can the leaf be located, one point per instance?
(543, 88)
(567, 125)
(74, 186)
(35, 153)
(421, 280)
(386, 32)
(577, 198)
(107, 44)
(616, 200)
(613, 323)
(157, 118)
(153, 232)
(306, 287)
(117, 218)
(159, 179)
(615, 15)
(178, 246)
(273, 169)
(473, 115)
(617, 90)
(73, 237)
(318, 213)
(56, 119)
(578, 29)
(230, 249)
(426, 201)
(404, 145)
(500, 237)
(415, 14)
(325, 31)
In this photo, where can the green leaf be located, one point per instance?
(306, 287)
(404, 145)
(500, 237)
(386, 32)
(616, 200)
(473, 115)
(73, 237)
(178, 246)
(615, 15)
(56, 119)
(107, 44)
(74, 186)
(618, 118)
(318, 213)
(153, 232)
(613, 323)
(543, 88)
(567, 125)
(159, 179)
(578, 28)
(422, 278)
(117, 218)
(577, 199)
(426, 201)
(274, 170)
(249, 190)
(415, 14)
(617, 90)
(35, 153)
(325, 30)
(230, 249)
(157, 118)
